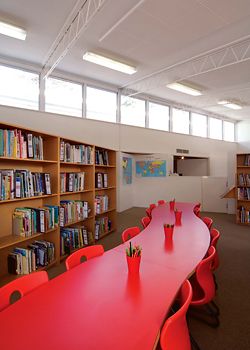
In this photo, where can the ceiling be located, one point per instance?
(204, 42)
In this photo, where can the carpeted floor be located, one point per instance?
(233, 277)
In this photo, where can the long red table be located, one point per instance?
(98, 305)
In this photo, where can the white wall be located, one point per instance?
(243, 136)
(129, 139)
(192, 167)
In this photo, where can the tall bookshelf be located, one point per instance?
(53, 164)
(243, 188)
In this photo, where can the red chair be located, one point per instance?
(175, 334)
(197, 209)
(23, 285)
(161, 202)
(208, 221)
(148, 212)
(88, 252)
(152, 206)
(204, 289)
(145, 221)
(130, 233)
(215, 235)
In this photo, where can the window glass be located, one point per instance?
(228, 134)
(19, 88)
(180, 121)
(199, 124)
(215, 128)
(132, 111)
(101, 104)
(63, 97)
(158, 116)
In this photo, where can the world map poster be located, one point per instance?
(151, 168)
(127, 170)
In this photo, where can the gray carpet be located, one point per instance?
(233, 277)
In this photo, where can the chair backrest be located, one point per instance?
(145, 221)
(161, 202)
(88, 252)
(215, 235)
(204, 276)
(148, 212)
(208, 221)
(130, 233)
(197, 209)
(23, 285)
(152, 206)
(175, 334)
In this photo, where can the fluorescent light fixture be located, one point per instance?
(12, 31)
(109, 63)
(184, 88)
(230, 104)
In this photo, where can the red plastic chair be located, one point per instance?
(152, 206)
(23, 285)
(175, 334)
(197, 209)
(145, 221)
(204, 288)
(130, 233)
(161, 202)
(148, 212)
(208, 221)
(215, 235)
(88, 252)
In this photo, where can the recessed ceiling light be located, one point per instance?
(12, 31)
(230, 104)
(184, 88)
(109, 63)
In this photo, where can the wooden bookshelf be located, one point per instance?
(53, 164)
(242, 188)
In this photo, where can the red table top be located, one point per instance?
(98, 305)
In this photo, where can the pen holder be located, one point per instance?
(171, 205)
(178, 215)
(169, 231)
(133, 264)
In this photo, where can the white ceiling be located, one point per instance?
(157, 36)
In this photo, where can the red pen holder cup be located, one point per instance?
(168, 231)
(178, 215)
(171, 205)
(133, 264)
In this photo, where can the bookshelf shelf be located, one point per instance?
(243, 189)
(54, 151)
(104, 212)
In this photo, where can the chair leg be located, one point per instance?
(194, 344)
(215, 282)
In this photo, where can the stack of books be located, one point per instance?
(27, 221)
(74, 238)
(243, 215)
(23, 184)
(18, 144)
(26, 260)
(73, 211)
(244, 193)
(101, 180)
(244, 179)
(247, 160)
(102, 226)
(72, 182)
(101, 157)
(76, 153)
(101, 204)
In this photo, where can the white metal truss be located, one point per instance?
(77, 22)
(223, 56)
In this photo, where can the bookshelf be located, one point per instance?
(242, 193)
(72, 167)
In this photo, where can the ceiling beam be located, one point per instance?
(76, 23)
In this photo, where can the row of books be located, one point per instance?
(28, 221)
(72, 211)
(26, 260)
(244, 179)
(74, 238)
(243, 193)
(23, 184)
(243, 215)
(101, 157)
(102, 226)
(76, 153)
(72, 182)
(101, 180)
(18, 144)
(101, 204)
(247, 160)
